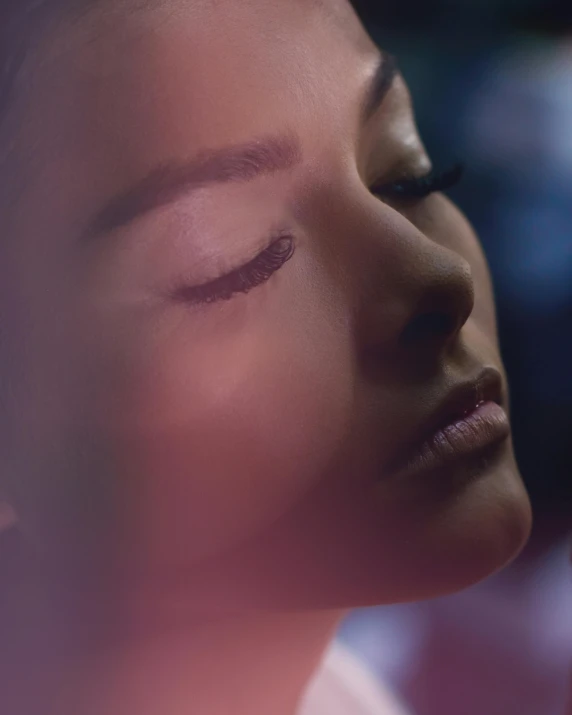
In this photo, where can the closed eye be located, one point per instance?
(243, 279)
(420, 187)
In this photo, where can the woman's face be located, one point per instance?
(236, 436)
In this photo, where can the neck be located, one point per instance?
(248, 663)
(251, 664)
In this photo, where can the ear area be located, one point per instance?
(8, 517)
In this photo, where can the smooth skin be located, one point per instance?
(221, 467)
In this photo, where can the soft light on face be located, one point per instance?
(241, 432)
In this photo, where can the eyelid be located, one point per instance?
(421, 186)
(224, 260)
(263, 264)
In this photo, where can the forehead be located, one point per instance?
(215, 65)
(132, 84)
(110, 31)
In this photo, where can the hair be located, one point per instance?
(20, 23)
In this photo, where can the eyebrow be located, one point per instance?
(381, 82)
(234, 164)
(168, 181)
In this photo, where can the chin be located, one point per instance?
(466, 537)
(475, 532)
(385, 549)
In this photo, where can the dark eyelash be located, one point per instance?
(243, 279)
(263, 266)
(419, 188)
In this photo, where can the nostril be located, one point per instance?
(429, 326)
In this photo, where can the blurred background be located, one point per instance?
(492, 86)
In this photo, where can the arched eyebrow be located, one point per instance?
(238, 163)
(385, 73)
(165, 183)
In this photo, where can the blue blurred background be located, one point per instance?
(492, 86)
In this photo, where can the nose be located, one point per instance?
(416, 294)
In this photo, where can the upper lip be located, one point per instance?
(465, 398)
(460, 401)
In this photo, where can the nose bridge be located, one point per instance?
(414, 292)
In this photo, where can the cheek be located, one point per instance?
(222, 435)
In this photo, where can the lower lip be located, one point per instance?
(484, 428)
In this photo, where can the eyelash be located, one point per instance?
(243, 279)
(421, 187)
(281, 250)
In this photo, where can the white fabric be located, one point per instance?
(345, 686)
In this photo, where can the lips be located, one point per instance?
(470, 420)
(465, 399)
